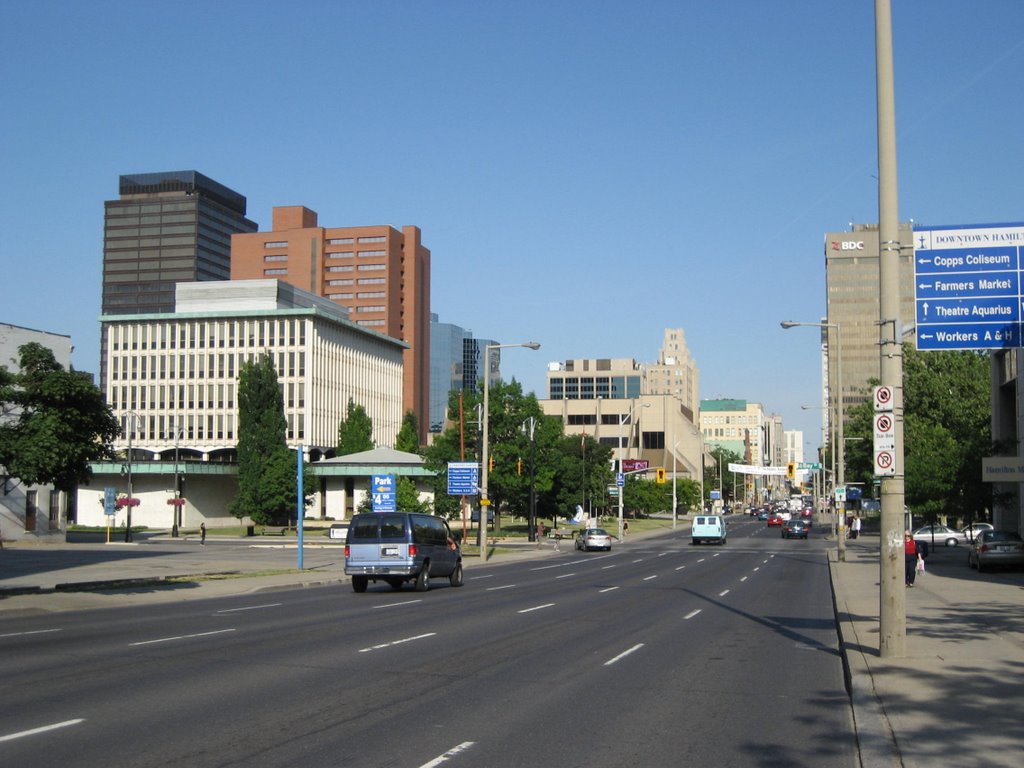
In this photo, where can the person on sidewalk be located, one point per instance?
(911, 554)
(855, 527)
(202, 533)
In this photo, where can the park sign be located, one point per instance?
(968, 286)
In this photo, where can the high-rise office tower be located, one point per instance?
(380, 273)
(165, 229)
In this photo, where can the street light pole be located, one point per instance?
(622, 491)
(837, 399)
(485, 501)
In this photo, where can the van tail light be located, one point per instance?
(412, 550)
(346, 550)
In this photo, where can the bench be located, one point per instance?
(562, 533)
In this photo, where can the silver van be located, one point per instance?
(708, 528)
(396, 547)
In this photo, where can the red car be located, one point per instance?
(775, 519)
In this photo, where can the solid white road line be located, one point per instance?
(449, 754)
(32, 632)
(606, 589)
(624, 654)
(536, 608)
(41, 729)
(396, 642)
(691, 614)
(397, 605)
(250, 608)
(183, 637)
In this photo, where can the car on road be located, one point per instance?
(795, 529)
(775, 519)
(764, 514)
(939, 535)
(396, 547)
(594, 538)
(991, 549)
(708, 528)
(971, 531)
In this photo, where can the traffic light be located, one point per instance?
(519, 467)
(659, 475)
(490, 464)
(791, 470)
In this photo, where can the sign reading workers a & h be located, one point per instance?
(968, 286)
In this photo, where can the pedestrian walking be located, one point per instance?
(625, 527)
(911, 556)
(202, 533)
(855, 527)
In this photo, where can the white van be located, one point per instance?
(708, 528)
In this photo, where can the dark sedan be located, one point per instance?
(795, 529)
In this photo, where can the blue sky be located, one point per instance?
(586, 174)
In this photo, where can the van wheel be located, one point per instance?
(423, 578)
(456, 578)
(359, 583)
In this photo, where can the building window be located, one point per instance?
(371, 295)
(368, 323)
(345, 281)
(364, 254)
(269, 272)
(340, 241)
(276, 244)
(371, 267)
(370, 309)
(339, 254)
(339, 296)
(375, 239)
(372, 280)
(276, 257)
(340, 268)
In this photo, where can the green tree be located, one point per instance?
(267, 476)
(584, 471)
(408, 439)
(57, 422)
(355, 433)
(510, 445)
(716, 473)
(947, 430)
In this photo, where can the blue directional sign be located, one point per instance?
(383, 493)
(463, 478)
(968, 286)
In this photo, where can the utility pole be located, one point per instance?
(892, 592)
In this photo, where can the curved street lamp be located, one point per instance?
(837, 397)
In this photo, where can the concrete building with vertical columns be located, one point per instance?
(381, 274)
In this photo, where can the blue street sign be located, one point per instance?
(968, 286)
(463, 478)
(383, 493)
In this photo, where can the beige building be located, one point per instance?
(173, 381)
(641, 411)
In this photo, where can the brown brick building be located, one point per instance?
(381, 274)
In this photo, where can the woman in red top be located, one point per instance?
(911, 554)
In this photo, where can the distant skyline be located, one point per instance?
(585, 174)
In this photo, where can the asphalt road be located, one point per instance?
(656, 654)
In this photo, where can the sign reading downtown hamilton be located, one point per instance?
(968, 286)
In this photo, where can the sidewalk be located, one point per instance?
(956, 697)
